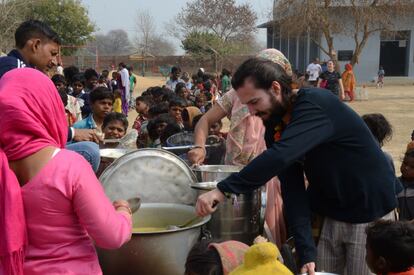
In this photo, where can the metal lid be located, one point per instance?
(113, 153)
(154, 175)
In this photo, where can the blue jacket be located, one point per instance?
(12, 61)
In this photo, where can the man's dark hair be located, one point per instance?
(394, 241)
(101, 93)
(34, 29)
(117, 117)
(380, 128)
(89, 73)
(203, 260)
(262, 72)
(58, 78)
(177, 101)
(69, 73)
(122, 64)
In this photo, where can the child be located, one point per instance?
(114, 81)
(78, 84)
(132, 82)
(381, 75)
(158, 109)
(156, 128)
(101, 104)
(227, 258)
(142, 106)
(117, 101)
(225, 81)
(186, 78)
(91, 80)
(176, 107)
(64, 96)
(406, 196)
(381, 129)
(115, 125)
(215, 130)
(390, 247)
(200, 102)
(72, 106)
(105, 78)
(182, 92)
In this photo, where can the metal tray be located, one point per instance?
(154, 175)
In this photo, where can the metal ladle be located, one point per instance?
(134, 204)
(183, 225)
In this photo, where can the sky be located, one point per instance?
(109, 14)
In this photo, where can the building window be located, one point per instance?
(345, 55)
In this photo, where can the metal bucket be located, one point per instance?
(161, 252)
(238, 218)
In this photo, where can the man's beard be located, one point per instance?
(276, 112)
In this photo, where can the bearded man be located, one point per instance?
(312, 132)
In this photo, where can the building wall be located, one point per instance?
(367, 68)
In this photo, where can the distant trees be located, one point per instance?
(115, 42)
(216, 28)
(69, 18)
(147, 40)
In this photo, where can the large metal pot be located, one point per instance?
(108, 156)
(238, 218)
(161, 252)
(208, 173)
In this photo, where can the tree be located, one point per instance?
(69, 18)
(145, 28)
(363, 19)
(225, 19)
(161, 46)
(115, 42)
(147, 40)
(12, 14)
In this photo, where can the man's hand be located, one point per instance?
(207, 202)
(308, 268)
(197, 155)
(86, 135)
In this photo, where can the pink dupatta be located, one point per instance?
(32, 118)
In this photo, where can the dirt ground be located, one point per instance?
(396, 103)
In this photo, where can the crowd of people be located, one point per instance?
(291, 131)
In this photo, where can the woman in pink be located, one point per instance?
(66, 211)
(244, 142)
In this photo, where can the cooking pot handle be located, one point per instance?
(205, 234)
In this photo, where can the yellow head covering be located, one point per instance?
(262, 259)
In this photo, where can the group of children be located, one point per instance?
(175, 107)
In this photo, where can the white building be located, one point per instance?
(392, 50)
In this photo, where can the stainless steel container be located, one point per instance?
(157, 253)
(206, 173)
(238, 218)
(108, 156)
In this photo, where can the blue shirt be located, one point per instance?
(86, 123)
